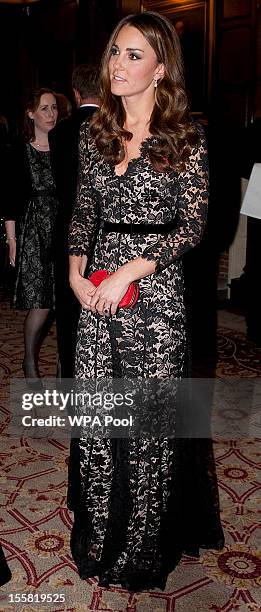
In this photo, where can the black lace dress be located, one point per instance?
(139, 503)
(34, 285)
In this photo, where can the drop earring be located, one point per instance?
(155, 83)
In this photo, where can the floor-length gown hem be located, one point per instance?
(139, 502)
(138, 582)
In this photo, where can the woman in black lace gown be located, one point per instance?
(31, 205)
(138, 503)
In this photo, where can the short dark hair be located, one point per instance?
(85, 79)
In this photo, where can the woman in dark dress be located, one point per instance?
(31, 208)
(138, 503)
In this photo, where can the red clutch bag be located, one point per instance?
(129, 299)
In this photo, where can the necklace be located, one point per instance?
(36, 144)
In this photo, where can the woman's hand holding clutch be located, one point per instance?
(110, 291)
(83, 290)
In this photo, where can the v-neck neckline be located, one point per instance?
(135, 160)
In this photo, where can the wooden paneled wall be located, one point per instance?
(37, 47)
(42, 45)
(257, 103)
(236, 65)
(130, 6)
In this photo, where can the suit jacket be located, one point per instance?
(249, 147)
(63, 141)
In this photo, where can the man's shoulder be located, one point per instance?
(70, 127)
(63, 128)
(65, 133)
(86, 111)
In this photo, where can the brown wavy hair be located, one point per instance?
(170, 120)
(32, 105)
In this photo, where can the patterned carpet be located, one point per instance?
(35, 523)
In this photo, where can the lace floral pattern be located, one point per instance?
(34, 287)
(128, 496)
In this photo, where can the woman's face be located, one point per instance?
(133, 64)
(45, 116)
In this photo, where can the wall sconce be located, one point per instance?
(22, 4)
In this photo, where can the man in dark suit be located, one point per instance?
(251, 154)
(63, 140)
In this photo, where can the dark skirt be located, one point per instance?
(182, 509)
(34, 285)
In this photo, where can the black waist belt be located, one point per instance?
(137, 228)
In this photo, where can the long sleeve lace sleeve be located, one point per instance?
(191, 214)
(85, 214)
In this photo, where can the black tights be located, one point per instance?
(36, 325)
